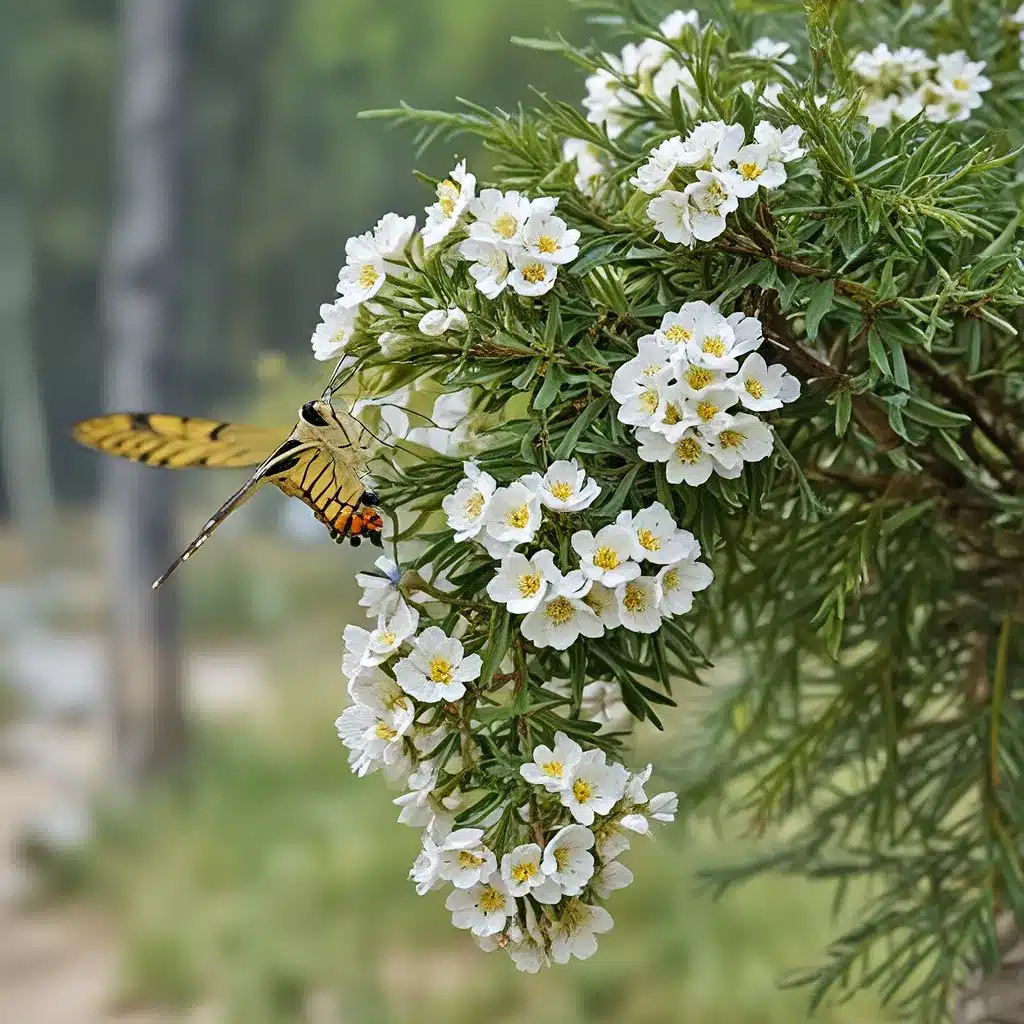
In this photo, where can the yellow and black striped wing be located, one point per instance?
(332, 488)
(179, 442)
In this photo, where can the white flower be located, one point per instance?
(575, 932)
(707, 410)
(436, 322)
(607, 99)
(464, 860)
(467, 508)
(602, 702)
(364, 273)
(781, 144)
(356, 643)
(563, 615)
(649, 405)
(679, 582)
(450, 417)
(672, 214)
(530, 275)
(762, 387)
(438, 668)
(381, 595)
(567, 858)
(601, 601)
(679, 328)
(631, 378)
(768, 49)
(522, 874)
(612, 876)
(564, 487)
(550, 240)
(687, 460)
(711, 198)
(663, 806)
(718, 341)
(372, 729)
(711, 144)
(606, 557)
(454, 195)
(392, 411)
(962, 77)
(426, 870)
(513, 515)
(655, 536)
(392, 234)
(611, 840)
(417, 807)
(520, 583)
(500, 218)
(332, 334)
(390, 634)
(744, 439)
(671, 76)
(589, 165)
(755, 168)
(651, 177)
(638, 604)
(695, 383)
(527, 948)
(490, 266)
(550, 768)
(593, 786)
(879, 112)
(484, 908)
(675, 25)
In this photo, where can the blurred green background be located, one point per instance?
(259, 881)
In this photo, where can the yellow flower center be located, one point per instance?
(553, 769)
(652, 370)
(441, 671)
(368, 275)
(716, 193)
(672, 415)
(714, 346)
(547, 244)
(754, 387)
(534, 273)
(649, 541)
(447, 193)
(678, 333)
(562, 491)
(528, 584)
(670, 581)
(649, 400)
(596, 602)
(518, 518)
(559, 611)
(635, 598)
(731, 438)
(469, 860)
(474, 505)
(688, 451)
(606, 558)
(396, 700)
(523, 872)
(506, 225)
(561, 857)
(961, 83)
(385, 732)
(582, 790)
(388, 637)
(491, 900)
(698, 377)
(707, 411)
(750, 171)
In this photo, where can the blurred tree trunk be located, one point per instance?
(24, 448)
(143, 308)
(997, 997)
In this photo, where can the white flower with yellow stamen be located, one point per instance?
(708, 410)
(438, 668)
(744, 439)
(680, 581)
(769, 49)
(564, 615)
(513, 516)
(467, 508)
(520, 583)
(718, 341)
(454, 195)
(647, 405)
(568, 861)
(754, 168)
(711, 197)
(391, 633)
(711, 145)
(483, 908)
(607, 556)
(781, 144)
(332, 334)
(639, 602)
(653, 175)
(464, 860)
(490, 266)
(593, 786)
(678, 328)
(633, 377)
(374, 733)
(687, 460)
(601, 601)
(564, 487)
(761, 387)
(500, 218)
(550, 240)
(531, 275)
(672, 214)
(655, 536)
(365, 271)
(694, 381)
(550, 767)
(575, 932)
(522, 874)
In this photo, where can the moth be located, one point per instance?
(321, 462)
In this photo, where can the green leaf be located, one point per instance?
(932, 415)
(497, 643)
(876, 353)
(819, 304)
(580, 424)
(553, 381)
(844, 407)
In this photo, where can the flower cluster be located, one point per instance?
(607, 587)
(906, 82)
(691, 399)
(697, 181)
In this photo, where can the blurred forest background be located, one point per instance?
(244, 875)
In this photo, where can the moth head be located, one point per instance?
(314, 414)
